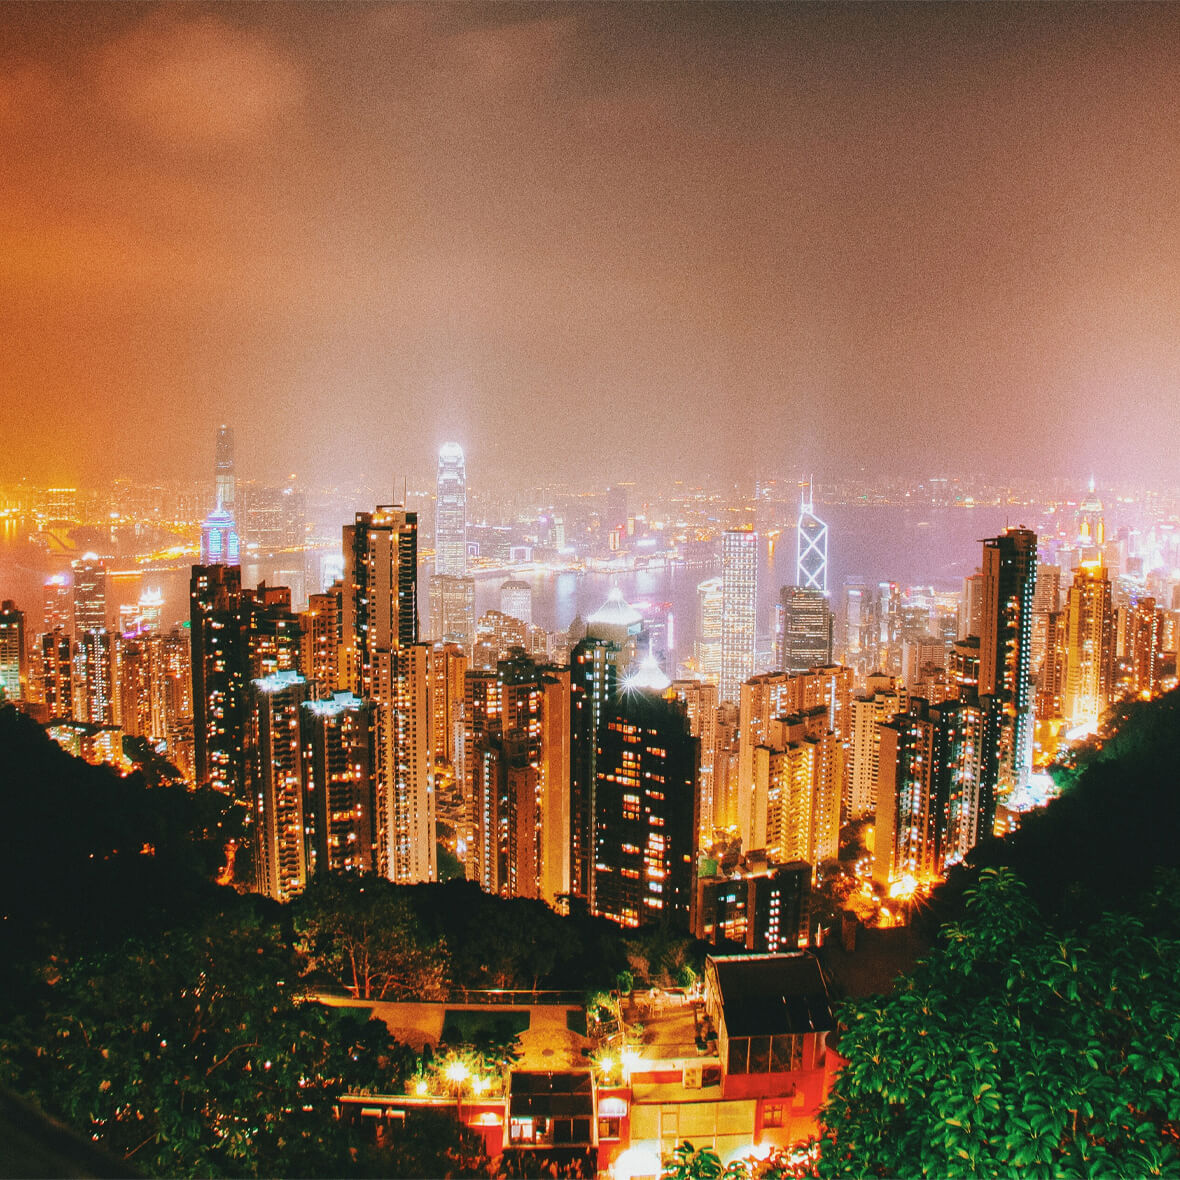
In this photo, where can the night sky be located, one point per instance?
(590, 241)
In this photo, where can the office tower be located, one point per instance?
(14, 671)
(645, 817)
(618, 623)
(919, 654)
(1091, 526)
(516, 600)
(593, 683)
(1005, 641)
(708, 644)
(90, 594)
(811, 545)
(739, 609)
(1145, 647)
(276, 785)
(805, 631)
(220, 544)
(1089, 647)
(452, 610)
(858, 638)
(271, 518)
(224, 484)
(450, 519)
(616, 508)
(700, 701)
(337, 734)
(775, 695)
(320, 626)
(219, 677)
(382, 661)
(763, 907)
(57, 675)
(59, 605)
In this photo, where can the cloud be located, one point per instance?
(198, 81)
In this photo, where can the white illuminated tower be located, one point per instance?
(450, 519)
(811, 552)
(739, 609)
(224, 482)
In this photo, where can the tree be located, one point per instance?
(360, 933)
(187, 1055)
(1014, 1046)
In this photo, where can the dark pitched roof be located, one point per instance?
(770, 995)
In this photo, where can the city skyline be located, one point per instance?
(790, 230)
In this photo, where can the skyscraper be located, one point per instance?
(739, 609)
(13, 660)
(1005, 653)
(1089, 646)
(593, 681)
(805, 630)
(224, 483)
(811, 545)
(708, 647)
(450, 520)
(382, 661)
(645, 817)
(90, 594)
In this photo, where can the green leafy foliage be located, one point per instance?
(1014, 1046)
(188, 1055)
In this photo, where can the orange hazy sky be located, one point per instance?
(590, 239)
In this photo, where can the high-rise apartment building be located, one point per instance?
(811, 545)
(57, 675)
(645, 819)
(1089, 647)
(450, 519)
(14, 670)
(804, 638)
(1005, 651)
(337, 734)
(282, 854)
(382, 661)
(869, 711)
(739, 609)
(700, 701)
(593, 684)
(1145, 629)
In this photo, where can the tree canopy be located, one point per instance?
(1015, 1046)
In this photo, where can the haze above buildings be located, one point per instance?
(586, 240)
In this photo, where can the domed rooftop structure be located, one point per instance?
(648, 676)
(616, 611)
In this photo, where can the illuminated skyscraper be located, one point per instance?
(739, 609)
(593, 681)
(452, 610)
(450, 519)
(804, 637)
(282, 855)
(1089, 647)
(811, 546)
(1005, 655)
(219, 539)
(382, 661)
(13, 660)
(516, 599)
(224, 483)
(645, 817)
(90, 594)
(708, 647)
